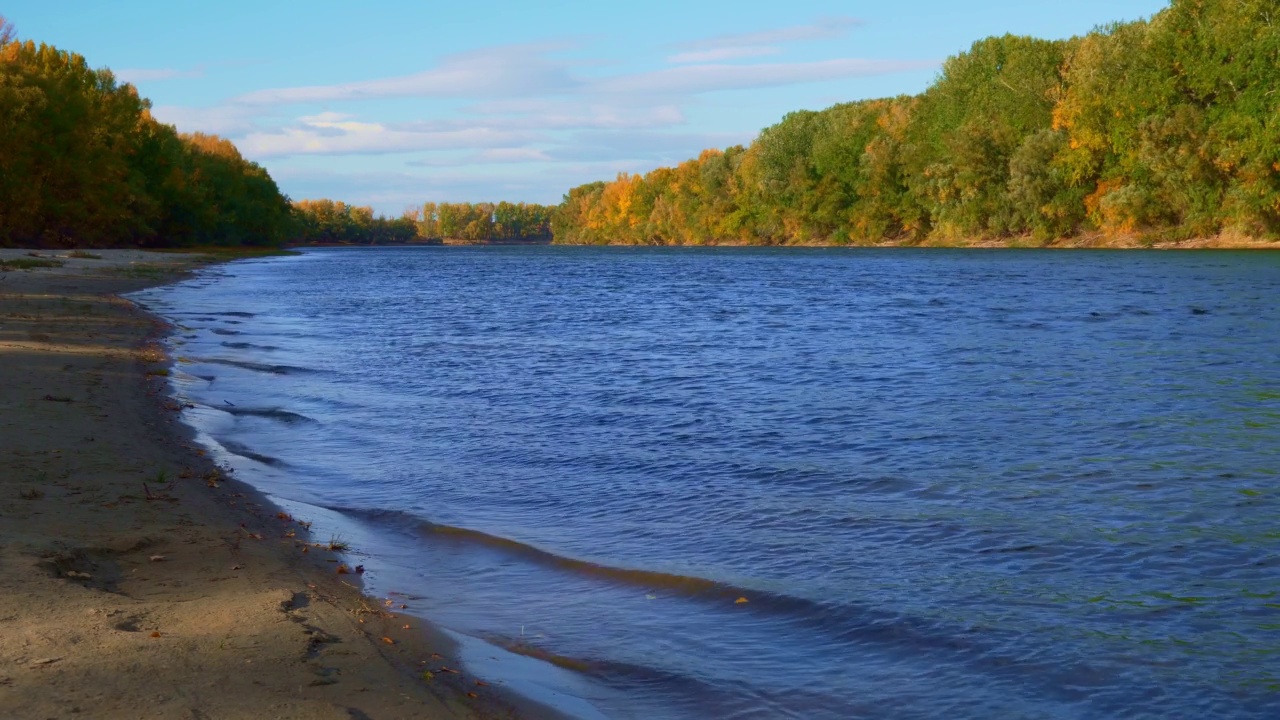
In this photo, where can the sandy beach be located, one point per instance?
(141, 581)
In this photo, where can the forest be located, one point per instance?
(1161, 129)
(83, 163)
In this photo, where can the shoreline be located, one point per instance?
(1080, 242)
(141, 580)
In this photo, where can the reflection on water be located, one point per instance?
(806, 483)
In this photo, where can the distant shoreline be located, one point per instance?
(1077, 243)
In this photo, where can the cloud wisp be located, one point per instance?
(698, 79)
(493, 72)
(336, 134)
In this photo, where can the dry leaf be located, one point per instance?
(388, 640)
(741, 601)
(155, 634)
(472, 695)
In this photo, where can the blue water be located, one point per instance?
(962, 484)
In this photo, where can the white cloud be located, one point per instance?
(572, 114)
(722, 54)
(695, 79)
(336, 134)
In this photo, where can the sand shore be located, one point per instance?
(137, 580)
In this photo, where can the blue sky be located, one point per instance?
(395, 103)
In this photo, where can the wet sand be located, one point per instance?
(137, 579)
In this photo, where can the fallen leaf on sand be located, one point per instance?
(155, 634)
(472, 695)
(47, 661)
(157, 558)
(388, 641)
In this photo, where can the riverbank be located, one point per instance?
(140, 580)
(1093, 241)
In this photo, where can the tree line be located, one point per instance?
(330, 221)
(1167, 128)
(83, 163)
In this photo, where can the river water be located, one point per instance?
(801, 483)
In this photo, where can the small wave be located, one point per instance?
(246, 345)
(849, 622)
(282, 415)
(236, 448)
(257, 367)
(224, 331)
